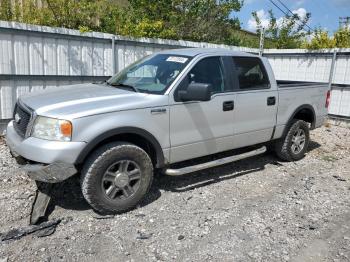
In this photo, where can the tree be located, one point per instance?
(342, 37)
(287, 32)
(97, 15)
(198, 20)
(6, 10)
(321, 39)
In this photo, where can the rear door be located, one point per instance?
(203, 128)
(256, 102)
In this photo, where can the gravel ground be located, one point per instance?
(257, 209)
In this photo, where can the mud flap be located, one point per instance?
(41, 201)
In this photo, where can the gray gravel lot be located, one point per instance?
(257, 209)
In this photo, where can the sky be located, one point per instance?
(324, 13)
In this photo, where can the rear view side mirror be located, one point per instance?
(196, 92)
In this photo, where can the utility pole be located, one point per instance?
(262, 39)
(344, 21)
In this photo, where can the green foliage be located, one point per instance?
(288, 32)
(84, 29)
(322, 40)
(342, 38)
(76, 14)
(5, 10)
(196, 20)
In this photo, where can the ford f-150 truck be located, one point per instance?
(167, 108)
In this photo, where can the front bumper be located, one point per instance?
(42, 151)
(46, 161)
(53, 173)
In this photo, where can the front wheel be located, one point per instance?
(116, 177)
(294, 144)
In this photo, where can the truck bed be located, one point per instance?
(296, 94)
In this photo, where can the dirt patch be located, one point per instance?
(259, 209)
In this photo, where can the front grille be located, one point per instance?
(22, 118)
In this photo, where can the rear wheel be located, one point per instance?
(294, 144)
(116, 177)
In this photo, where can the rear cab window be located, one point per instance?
(251, 73)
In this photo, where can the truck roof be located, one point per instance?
(198, 51)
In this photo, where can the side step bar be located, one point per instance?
(218, 162)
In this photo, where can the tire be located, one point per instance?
(285, 148)
(116, 177)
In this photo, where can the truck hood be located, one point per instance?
(75, 101)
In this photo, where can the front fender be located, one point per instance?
(160, 162)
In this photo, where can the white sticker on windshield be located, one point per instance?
(177, 59)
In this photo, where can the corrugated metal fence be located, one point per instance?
(33, 58)
(328, 66)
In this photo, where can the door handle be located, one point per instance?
(271, 101)
(158, 111)
(228, 106)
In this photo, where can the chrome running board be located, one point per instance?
(218, 162)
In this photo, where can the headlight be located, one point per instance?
(52, 129)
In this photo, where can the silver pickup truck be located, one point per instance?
(165, 109)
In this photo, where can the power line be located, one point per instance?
(286, 14)
(292, 12)
(289, 11)
(278, 7)
(286, 7)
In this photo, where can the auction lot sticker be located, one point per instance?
(177, 59)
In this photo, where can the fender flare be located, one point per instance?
(160, 161)
(296, 111)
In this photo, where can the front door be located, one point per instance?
(202, 128)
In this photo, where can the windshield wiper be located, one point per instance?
(99, 82)
(123, 85)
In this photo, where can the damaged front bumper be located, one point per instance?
(52, 173)
(45, 161)
(49, 173)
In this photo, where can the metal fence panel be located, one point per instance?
(33, 58)
(11, 89)
(340, 102)
(6, 99)
(301, 68)
(342, 69)
(304, 65)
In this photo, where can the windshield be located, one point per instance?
(152, 74)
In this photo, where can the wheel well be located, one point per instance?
(305, 114)
(136, 139)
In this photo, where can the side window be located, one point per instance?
(251, 73)
(209, 71)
